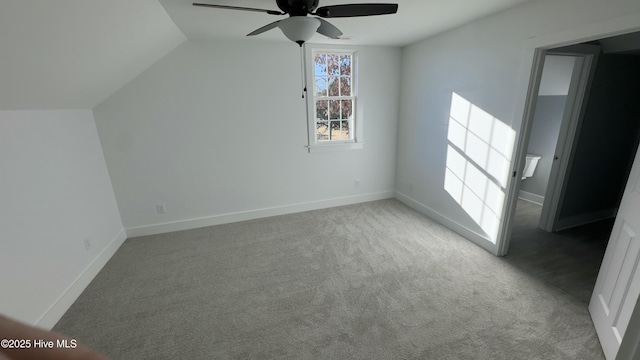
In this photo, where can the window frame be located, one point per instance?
(355, 142)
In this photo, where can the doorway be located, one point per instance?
(601, 158)
(623, 309)
(567, 248)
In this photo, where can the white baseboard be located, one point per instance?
(479, 239)
(582, 219)
(531, 197)
(253, 214)
(64, 302)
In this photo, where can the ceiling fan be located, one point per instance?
(299, 27)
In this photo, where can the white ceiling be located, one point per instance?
(72, 54)
(415, 20)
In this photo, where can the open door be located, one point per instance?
(617, 288)
(586, 58)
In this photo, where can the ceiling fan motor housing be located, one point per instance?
(297, 7)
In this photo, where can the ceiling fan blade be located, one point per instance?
(270, 12)
(264, 28)
(351, 10)
(327, 29)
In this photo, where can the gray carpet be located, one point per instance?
(568, 259)
(368, 281)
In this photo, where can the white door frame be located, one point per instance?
(586, 59)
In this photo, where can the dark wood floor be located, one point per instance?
(568, 259)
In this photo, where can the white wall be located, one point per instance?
(556, 75)
(55, 192)
(482, 62)
(216, 131)
(542, 141)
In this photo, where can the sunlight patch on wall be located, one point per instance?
(478, 161)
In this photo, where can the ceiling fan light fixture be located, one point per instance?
(299, 29)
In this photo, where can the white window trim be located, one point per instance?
(337, 145)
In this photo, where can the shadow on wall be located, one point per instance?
(479, 153)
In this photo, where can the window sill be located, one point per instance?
(335, 147)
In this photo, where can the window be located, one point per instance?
(332, 106)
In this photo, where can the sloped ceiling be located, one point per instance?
(72, 54)
(415, 20)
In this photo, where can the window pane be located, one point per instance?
(333, 86)
(333, 64)
(322, 130)
(335, 130)
(345, 64)
(344, 130)
(321, 109)
(346, 109)
(334, 109)
(321, 86)
(345, 86)
(320, 61)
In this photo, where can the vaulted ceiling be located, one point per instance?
(72, 54)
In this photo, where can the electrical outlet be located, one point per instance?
(87, 244)
(356, 183)
(161, 209)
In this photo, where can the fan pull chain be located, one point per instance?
(304, 85)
